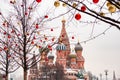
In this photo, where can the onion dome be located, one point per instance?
(72, 55)
(50, 56)
(78, 47)
(61, 46)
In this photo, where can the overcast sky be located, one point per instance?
(100, 53)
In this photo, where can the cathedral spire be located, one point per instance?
(64, 37)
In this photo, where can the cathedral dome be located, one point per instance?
(78, 47)
(61, 46)
(72, 55)
(50, 56)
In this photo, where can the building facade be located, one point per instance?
(69, 65)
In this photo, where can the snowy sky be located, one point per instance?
(100, 53)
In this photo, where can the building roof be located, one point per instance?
(78, 47)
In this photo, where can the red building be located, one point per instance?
(72, 63)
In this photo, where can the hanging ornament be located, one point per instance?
(32, 42)
(4, 33)
(95, 1)
(45, 38)
(53, 39)
(51, 29)
(9, 36)
(34, 37)
(49, 46)
(9, 56)
(77, 16)
(26, 13)
(12, 31)
(56, 3)
(102, 14)
(5, 48)
(108, 4)
(30, 8)
(74, 5)
(18, 34)
(72, 37)
(112, 9)
(5, 23)
(46, 16)
(12, 1)
(40, 40)
(83, 8)
(22, 5)
(38, 1)
(36, 26)
(64, 5)
(0, 50)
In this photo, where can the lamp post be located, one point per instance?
(100, 76)
(106, 73)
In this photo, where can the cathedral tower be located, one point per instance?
(64, 40)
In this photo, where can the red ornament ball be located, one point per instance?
(95, 1)
(37, 26)
(51, 30)
(38, 1)
(83, 8)
(77, 16)
(72, 37)
(26, 13)
(46, 16)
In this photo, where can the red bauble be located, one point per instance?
(37, 26)
(95, 1)
(45, 38)
(77, 16)
(32, 42)
(51, 29)
(83, 8)
(53, 39)
(46, 16)
(9, 36)
(4, 33)
(38, 1)
(72, 37)
(26, 13)
(5, 48)
(49, 46)
(12, 31)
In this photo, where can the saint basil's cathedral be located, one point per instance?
(67, 66)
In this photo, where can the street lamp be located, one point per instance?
(100, 76)
(106, 73)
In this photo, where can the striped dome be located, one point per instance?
(61, 46)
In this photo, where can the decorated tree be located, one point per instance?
(21, 35)
(7, 55)
(101, 10)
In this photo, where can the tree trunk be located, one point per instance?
(6, 77)
(25, 74)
